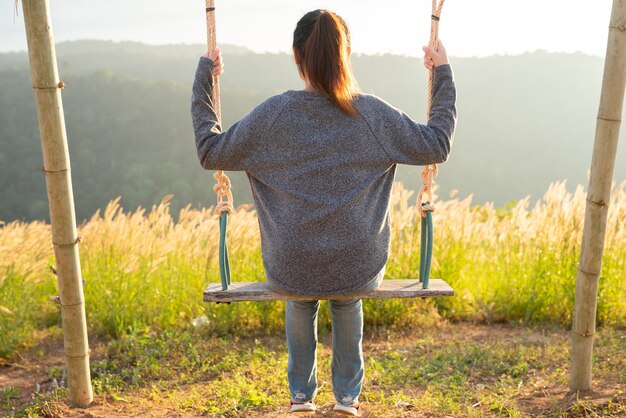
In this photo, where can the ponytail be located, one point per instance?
(322, 41)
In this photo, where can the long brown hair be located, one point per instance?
(322, 41)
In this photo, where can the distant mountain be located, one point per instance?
(524, 121)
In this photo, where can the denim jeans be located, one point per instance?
(347, 332)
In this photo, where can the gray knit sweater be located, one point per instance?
(321, 180)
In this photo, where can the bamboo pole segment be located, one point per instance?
(598, 196)
(56, 166)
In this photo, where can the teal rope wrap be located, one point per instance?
(223, 252)
(426, 247)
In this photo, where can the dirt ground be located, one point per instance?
(543, 396)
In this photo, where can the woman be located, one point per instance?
(321, 163)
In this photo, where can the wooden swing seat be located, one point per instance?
(258, 291)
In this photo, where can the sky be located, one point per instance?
(468, 27)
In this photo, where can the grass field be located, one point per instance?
(145, 272)
(439, 370)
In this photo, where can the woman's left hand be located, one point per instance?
(218, 64)
(434, 57)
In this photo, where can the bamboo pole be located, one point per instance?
(598, 196)
(56, 166)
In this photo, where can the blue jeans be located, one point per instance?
(347, 363)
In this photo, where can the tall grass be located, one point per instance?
(144, 269)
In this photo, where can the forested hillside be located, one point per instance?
(524, 121)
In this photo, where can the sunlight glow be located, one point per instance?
(469, 28)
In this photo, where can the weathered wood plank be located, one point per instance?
(258, 291)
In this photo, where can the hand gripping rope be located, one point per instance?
(429, 174)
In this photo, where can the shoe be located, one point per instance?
(348, 410)
(303, 407)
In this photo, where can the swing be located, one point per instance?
(259, 291)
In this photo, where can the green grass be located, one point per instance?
(444, 370)
(24, 308)
(144, 270)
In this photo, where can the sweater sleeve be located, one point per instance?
(236, 148)
(408, 142)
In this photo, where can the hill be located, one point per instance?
(524, 121)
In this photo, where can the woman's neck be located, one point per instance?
(308, 86)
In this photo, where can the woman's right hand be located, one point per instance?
(218, 64)
(435, 57)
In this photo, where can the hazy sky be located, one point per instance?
(468, 27)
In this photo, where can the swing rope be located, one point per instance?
(430, 171)
(425, 195)
(224, 205)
